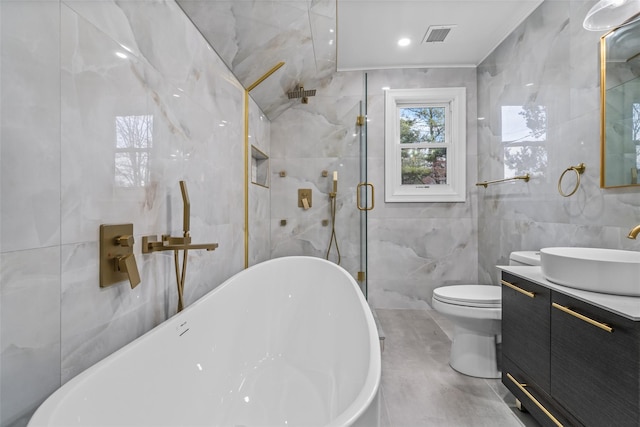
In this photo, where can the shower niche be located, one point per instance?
(259, 167)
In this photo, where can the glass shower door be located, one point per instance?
(364, 196)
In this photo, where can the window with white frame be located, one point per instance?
(425, 145)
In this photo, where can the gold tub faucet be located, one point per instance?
(168, 243)
(634, 232)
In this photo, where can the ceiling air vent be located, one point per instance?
(437, 33)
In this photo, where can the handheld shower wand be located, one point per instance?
(186, 215)
(333, 199)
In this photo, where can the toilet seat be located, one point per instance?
(482, 296)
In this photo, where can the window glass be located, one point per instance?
(422, 125)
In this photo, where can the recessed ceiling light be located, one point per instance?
(404, 42)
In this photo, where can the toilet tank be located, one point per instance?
(524, 258)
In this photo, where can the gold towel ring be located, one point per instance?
(578, 170)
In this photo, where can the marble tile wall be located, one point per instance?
(305, 140)
(416, 247)
(253, 36)
(548, 62)
(78, 79)
(413, 247)
(259, 193)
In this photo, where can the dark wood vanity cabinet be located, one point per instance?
(525, 313)
(567, 361)
(526, 348)
(595, 363)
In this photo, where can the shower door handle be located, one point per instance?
(365, 184)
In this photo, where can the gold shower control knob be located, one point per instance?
(126, 240)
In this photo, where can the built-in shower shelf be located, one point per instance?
(259, 167)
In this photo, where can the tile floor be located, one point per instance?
(419, 388)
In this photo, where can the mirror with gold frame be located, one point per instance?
(620, 109)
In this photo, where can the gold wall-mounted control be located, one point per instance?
(304, 198)
(117, 262)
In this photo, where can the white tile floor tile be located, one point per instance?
(419, 388)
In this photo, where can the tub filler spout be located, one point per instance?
(168, 243)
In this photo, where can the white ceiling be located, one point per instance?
(251, 36)
(368, 31)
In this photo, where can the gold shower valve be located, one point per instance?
(117, 262)
(127, 264)
(304, 198)
(125, 240)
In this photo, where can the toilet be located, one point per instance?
(476, 312)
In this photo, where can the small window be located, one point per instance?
(425, 145)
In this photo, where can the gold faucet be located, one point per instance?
(175, 244)
(169, 243)
(634, 232)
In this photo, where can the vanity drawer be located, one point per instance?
(595, 372)
(526, 327)
(536, 401)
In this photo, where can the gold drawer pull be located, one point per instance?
(534, 400)
(567, 310)
(516, 288)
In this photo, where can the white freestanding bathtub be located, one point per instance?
(288, 342)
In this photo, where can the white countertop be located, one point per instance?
(625, 306)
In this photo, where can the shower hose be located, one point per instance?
(333, 200)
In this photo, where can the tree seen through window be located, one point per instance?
(134, 138)
(423, 125)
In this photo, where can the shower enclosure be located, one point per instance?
(365, 190)
(308, 143)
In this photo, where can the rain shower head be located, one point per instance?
(301, 93)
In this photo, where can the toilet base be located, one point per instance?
(473, 354)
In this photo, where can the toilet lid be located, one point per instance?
(470, 295)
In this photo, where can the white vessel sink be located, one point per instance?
(609, 271)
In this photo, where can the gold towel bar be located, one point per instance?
(525, 178)
(534, 400)
(584, 318)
